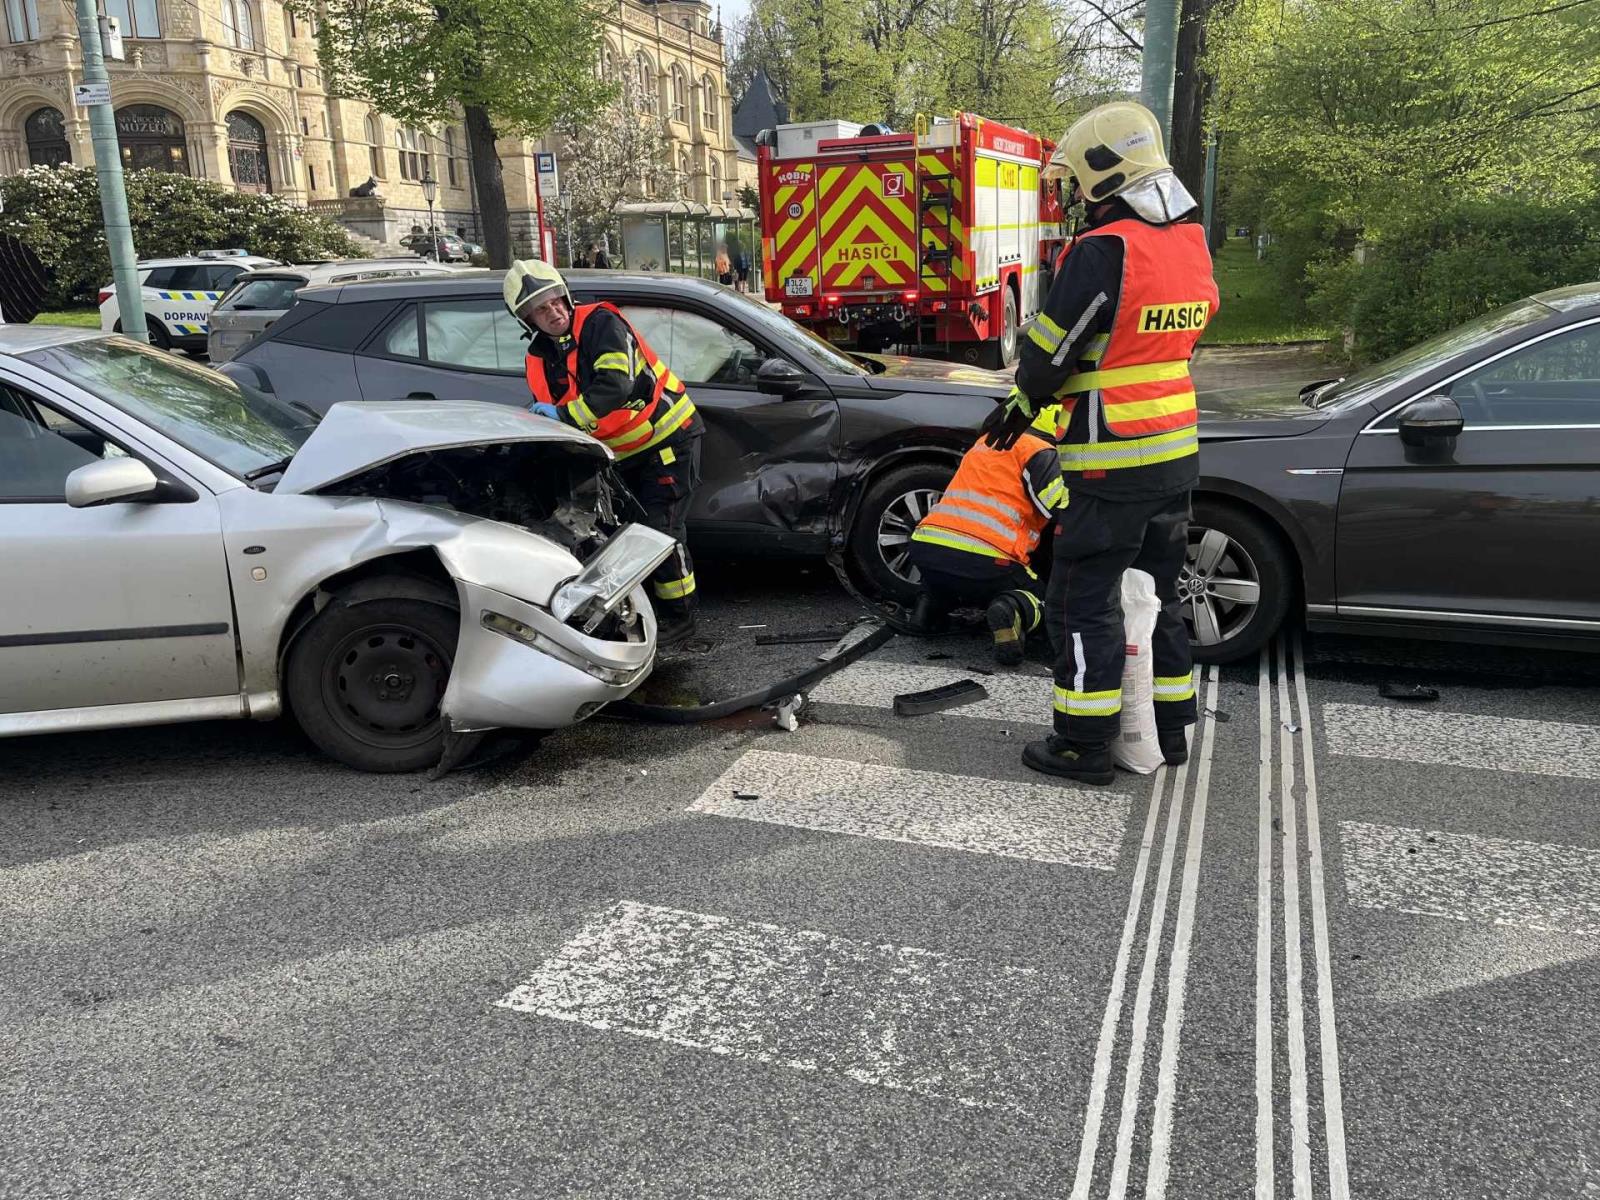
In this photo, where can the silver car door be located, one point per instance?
(123, 603)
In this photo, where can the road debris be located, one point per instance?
(798, 638)
(1409, 692)
(788, 715)
(951, 695)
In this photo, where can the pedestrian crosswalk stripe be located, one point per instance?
(977, 1033)
(1040, 822)
(1464, 877)
(1556, 748)
(1018, 699)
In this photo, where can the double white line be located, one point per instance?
(1177, 975)
(1293, 715)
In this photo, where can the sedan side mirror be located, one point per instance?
(780, 377)
(1431, 421)
(111, 479)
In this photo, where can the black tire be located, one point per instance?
(1002, 352)
(886, 513)
(159, 337)
(364, 681)
(1255, 553)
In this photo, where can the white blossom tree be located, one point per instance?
(618, 152)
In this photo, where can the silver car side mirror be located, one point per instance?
(110, 479)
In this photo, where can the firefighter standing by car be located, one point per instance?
(974, 545)
(1112, 344)
(588, 367)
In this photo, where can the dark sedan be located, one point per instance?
(1450, 490)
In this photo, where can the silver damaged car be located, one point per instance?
(402, 577)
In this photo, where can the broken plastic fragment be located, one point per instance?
(1411, 692)
(788, 715)
(951, 695)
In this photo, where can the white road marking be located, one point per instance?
(1178, 966)
(888, 1016)
(1018, 699)
(1464, 740)
(1041, 822)
(1100, 1081)
(1464, 877)
(1299, 1105)
(1264, 1163)
(1139, 1033)
(1328, 1040)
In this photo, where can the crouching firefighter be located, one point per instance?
(588, 367)
(974, 545)
(1112, 344)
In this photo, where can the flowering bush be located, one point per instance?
(56, 211)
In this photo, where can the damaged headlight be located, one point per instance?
(604, 585)
(518, 631)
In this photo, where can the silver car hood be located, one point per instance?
(358, 435)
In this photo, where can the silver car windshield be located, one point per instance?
(238, 429)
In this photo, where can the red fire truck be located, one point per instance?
(942, 237)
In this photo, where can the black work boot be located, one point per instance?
(927, 617)
(1056, 755)
(1005, 626)
(673, 627)
(1174, 746)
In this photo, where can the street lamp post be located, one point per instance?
(430, 190)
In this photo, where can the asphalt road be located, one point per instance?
(1350, 950)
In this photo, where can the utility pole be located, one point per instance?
(1159, 62)
(95, 95)
(1210, 209)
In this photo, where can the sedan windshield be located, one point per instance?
(1423, 357)
(796, 340)
(237, 428)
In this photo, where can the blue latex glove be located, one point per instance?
(545, 410)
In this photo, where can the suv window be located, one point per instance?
(1552, 382)
(272, 294)
(479, 334)
(331, 326)
(221, 278)
(159, 277)
(192, 277)
(40, 446)
(698, 349)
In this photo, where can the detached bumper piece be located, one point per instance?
(951, 695)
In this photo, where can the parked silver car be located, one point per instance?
(400, 575)
(257, 299)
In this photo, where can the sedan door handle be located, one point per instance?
(421, 396)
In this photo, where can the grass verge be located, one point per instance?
(1252, 312)
(82, 318)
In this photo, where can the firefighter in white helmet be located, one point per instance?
(1132, 293)
(588, 367)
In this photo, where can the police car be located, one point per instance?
(179, 294)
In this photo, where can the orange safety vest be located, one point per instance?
(987, 509)
(627, 431)
(1137, 377)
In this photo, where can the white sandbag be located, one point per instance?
(1137, 748)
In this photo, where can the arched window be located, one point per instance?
(413, 153)
(645, 76)
(685, 173)
(373, 131)
(714, 191)
(46, 133)
(708, 102)
(241, 23)
(139, 18)
(247, 153)
(450, 157)
(680, 95)
(610, 63)
(22, 20)
(152, 139)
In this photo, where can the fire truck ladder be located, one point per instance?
(936, 212)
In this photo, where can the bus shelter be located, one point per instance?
(682, 236)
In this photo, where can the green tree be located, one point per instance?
(513, 67)
(622, 151)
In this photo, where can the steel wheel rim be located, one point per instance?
(1008, 334)
(383, 685)
(1219, 587)
(895, 527)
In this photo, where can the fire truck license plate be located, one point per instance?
(797, 285)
